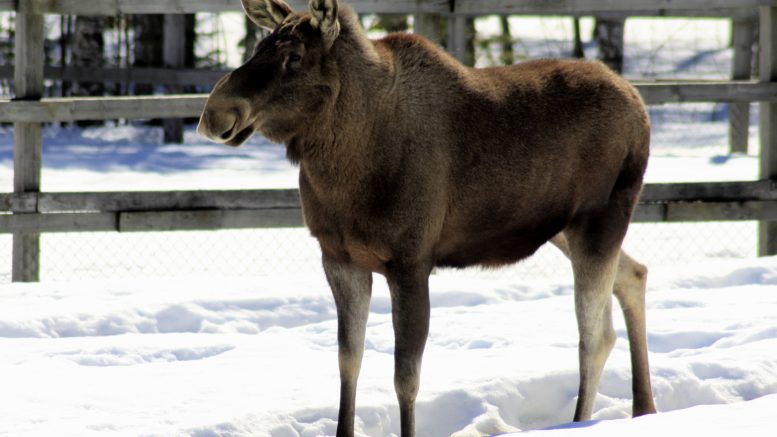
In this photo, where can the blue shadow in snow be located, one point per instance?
(720, 159)
(697, 58)
(142, 150)
(573, 425)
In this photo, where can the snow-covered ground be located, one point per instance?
(211, 356)
(233, 333)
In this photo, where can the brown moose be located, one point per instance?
(409, 160)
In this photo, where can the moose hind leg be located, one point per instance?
(594, 277)
(630, 284)
(352, 289)
(410, 308)
(629, 288)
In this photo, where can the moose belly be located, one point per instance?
(492, 248)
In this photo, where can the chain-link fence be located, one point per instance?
(259, 252)
(690, 143)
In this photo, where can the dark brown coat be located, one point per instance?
(410, 160)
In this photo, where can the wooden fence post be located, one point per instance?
(743, 37)
(174, 57)
(767, 238)
(429, 25)
(28, 85)
(457, 37)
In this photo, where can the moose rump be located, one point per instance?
(541, 148)
(410, 160)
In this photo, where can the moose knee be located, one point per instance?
(407, 382)
(639, 273)
(630, 282)
(608, 339)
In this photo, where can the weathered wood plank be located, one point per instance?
(289, 198)
(20, 202)
(767, 232)
(168, 200)
(190, 105)
(209, 220)
(28, 139)
(116, 7)
(159, 211)
(468, 7)
(709, 191)
(705, 211)
(660, 92)
(743, 39)
(649, 213)
(145, 75)
(292, 217)
(102, 108)
(768, 74)
(67, 222)
(586, 7)
(721, 211)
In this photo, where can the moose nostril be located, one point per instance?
(227, 134)
(218, 126)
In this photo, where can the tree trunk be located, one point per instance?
(461, 39)
(508, 57)
(433, 27)
(250, 40)
(87, 51)
(577, 48)
(148, 50)
(190, 35)
(609, 35)
(392, 23)
(7, 53)
(471, 34)
(743, 38)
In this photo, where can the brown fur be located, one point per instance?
(409, 160)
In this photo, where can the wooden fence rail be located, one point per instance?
(27, 212)
(190, 105)
(145, 75)
(145, 201)
(728, 8)
(232, 209)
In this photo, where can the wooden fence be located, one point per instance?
(27, 212)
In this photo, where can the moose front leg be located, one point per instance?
(352, 289)
(410, 309)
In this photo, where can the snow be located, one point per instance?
(112, 345)
(257, 356)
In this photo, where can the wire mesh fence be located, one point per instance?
(262, 252)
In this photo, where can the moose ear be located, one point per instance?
(324, 16)
(266, 13)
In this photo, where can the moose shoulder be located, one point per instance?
(410, 160)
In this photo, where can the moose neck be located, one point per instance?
(338, 146)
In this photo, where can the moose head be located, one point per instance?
(290, 76)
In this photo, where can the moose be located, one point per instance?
(409, 160)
